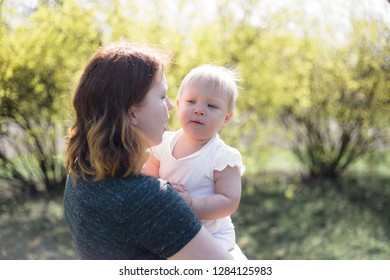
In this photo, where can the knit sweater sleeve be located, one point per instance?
(165, 223)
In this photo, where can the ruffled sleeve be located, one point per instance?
(157, 151)
(225, 156)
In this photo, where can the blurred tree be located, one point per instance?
(345, 111)
(38, 61)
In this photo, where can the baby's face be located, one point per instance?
(202, 112)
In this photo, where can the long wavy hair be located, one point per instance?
(102, 142)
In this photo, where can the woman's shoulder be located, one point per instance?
(143, 182)
(120, 186)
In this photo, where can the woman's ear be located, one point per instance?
(133, 115)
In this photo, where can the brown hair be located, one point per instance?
(102, 141)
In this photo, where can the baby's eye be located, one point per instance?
(212, 106)
(191, 101)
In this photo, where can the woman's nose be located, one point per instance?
(169, 104)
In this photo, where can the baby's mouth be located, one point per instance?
(197, 122)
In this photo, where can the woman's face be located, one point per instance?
(152, 116)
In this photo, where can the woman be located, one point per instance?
(113, 211)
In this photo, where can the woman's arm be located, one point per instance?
(152, 166)
(202, 247)
(225, 201)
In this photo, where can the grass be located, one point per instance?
(280, 217)
(34, 229)
(285, 218)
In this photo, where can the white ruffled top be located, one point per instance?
(196, 171)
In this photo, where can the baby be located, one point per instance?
(196, 158)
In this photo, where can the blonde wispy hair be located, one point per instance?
(217, 78)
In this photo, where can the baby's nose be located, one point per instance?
(199, 110)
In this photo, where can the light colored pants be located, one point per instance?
(237, 254)
(226, 238)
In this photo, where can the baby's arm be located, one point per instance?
(225, 201)
(152, 166)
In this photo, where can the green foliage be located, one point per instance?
(342, 116)
(39, 60)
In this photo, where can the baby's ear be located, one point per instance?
(228, 117)
(177, 103)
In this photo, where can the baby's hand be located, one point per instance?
(182, 190)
